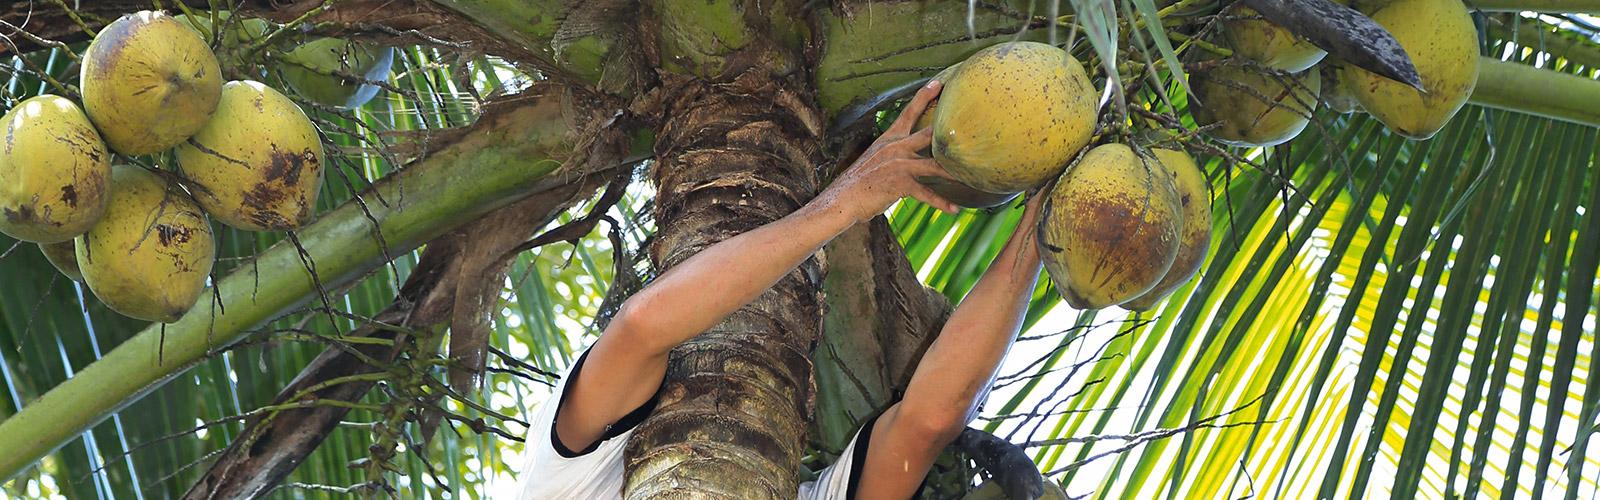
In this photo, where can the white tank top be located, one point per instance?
(596, 474)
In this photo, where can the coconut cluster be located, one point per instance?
(1265, 94)
(246, 155)
(1124, 225)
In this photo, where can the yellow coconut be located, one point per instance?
(63, 256)
(1012, 115)
(1252, 107)
(257, 165)
(1195, 239)
(1269, 44)
(1443, 45)
(148, 258)
(1110, 228)
(54, 171)
(148, 82)
(954, 190)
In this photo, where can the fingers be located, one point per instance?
(927, 167)
(914, 109)
(915, 142)
(926, 195)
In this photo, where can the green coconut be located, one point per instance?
(321, 70)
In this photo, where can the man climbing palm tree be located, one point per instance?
(575, 444)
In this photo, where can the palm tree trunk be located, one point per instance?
(732, 418)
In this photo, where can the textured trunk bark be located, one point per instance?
(734, 408)
(880, 321)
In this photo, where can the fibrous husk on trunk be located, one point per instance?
(737, 398)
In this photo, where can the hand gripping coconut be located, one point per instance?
(1010, 118)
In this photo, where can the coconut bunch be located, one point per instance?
(1265, 93)
(247, 155)
(1128, 222)
(1123, 225)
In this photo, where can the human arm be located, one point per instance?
(955, 373)
(625, 366)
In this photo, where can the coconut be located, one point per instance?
(1195, 239)
(149, 257)
(950, 189)
(1110, 227)
(1336, 92)
(1011, 116)
(257, 165)
(148, 82)
(1250, 107)
(1270, 45)
(64, 257)
(1443, 45)
(54, 171)
(316, 70)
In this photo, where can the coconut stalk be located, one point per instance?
(501, 159)
(450, 268)
(878, 52)
(1558, 96)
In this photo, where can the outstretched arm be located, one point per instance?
(955, 373)
(625, 367)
